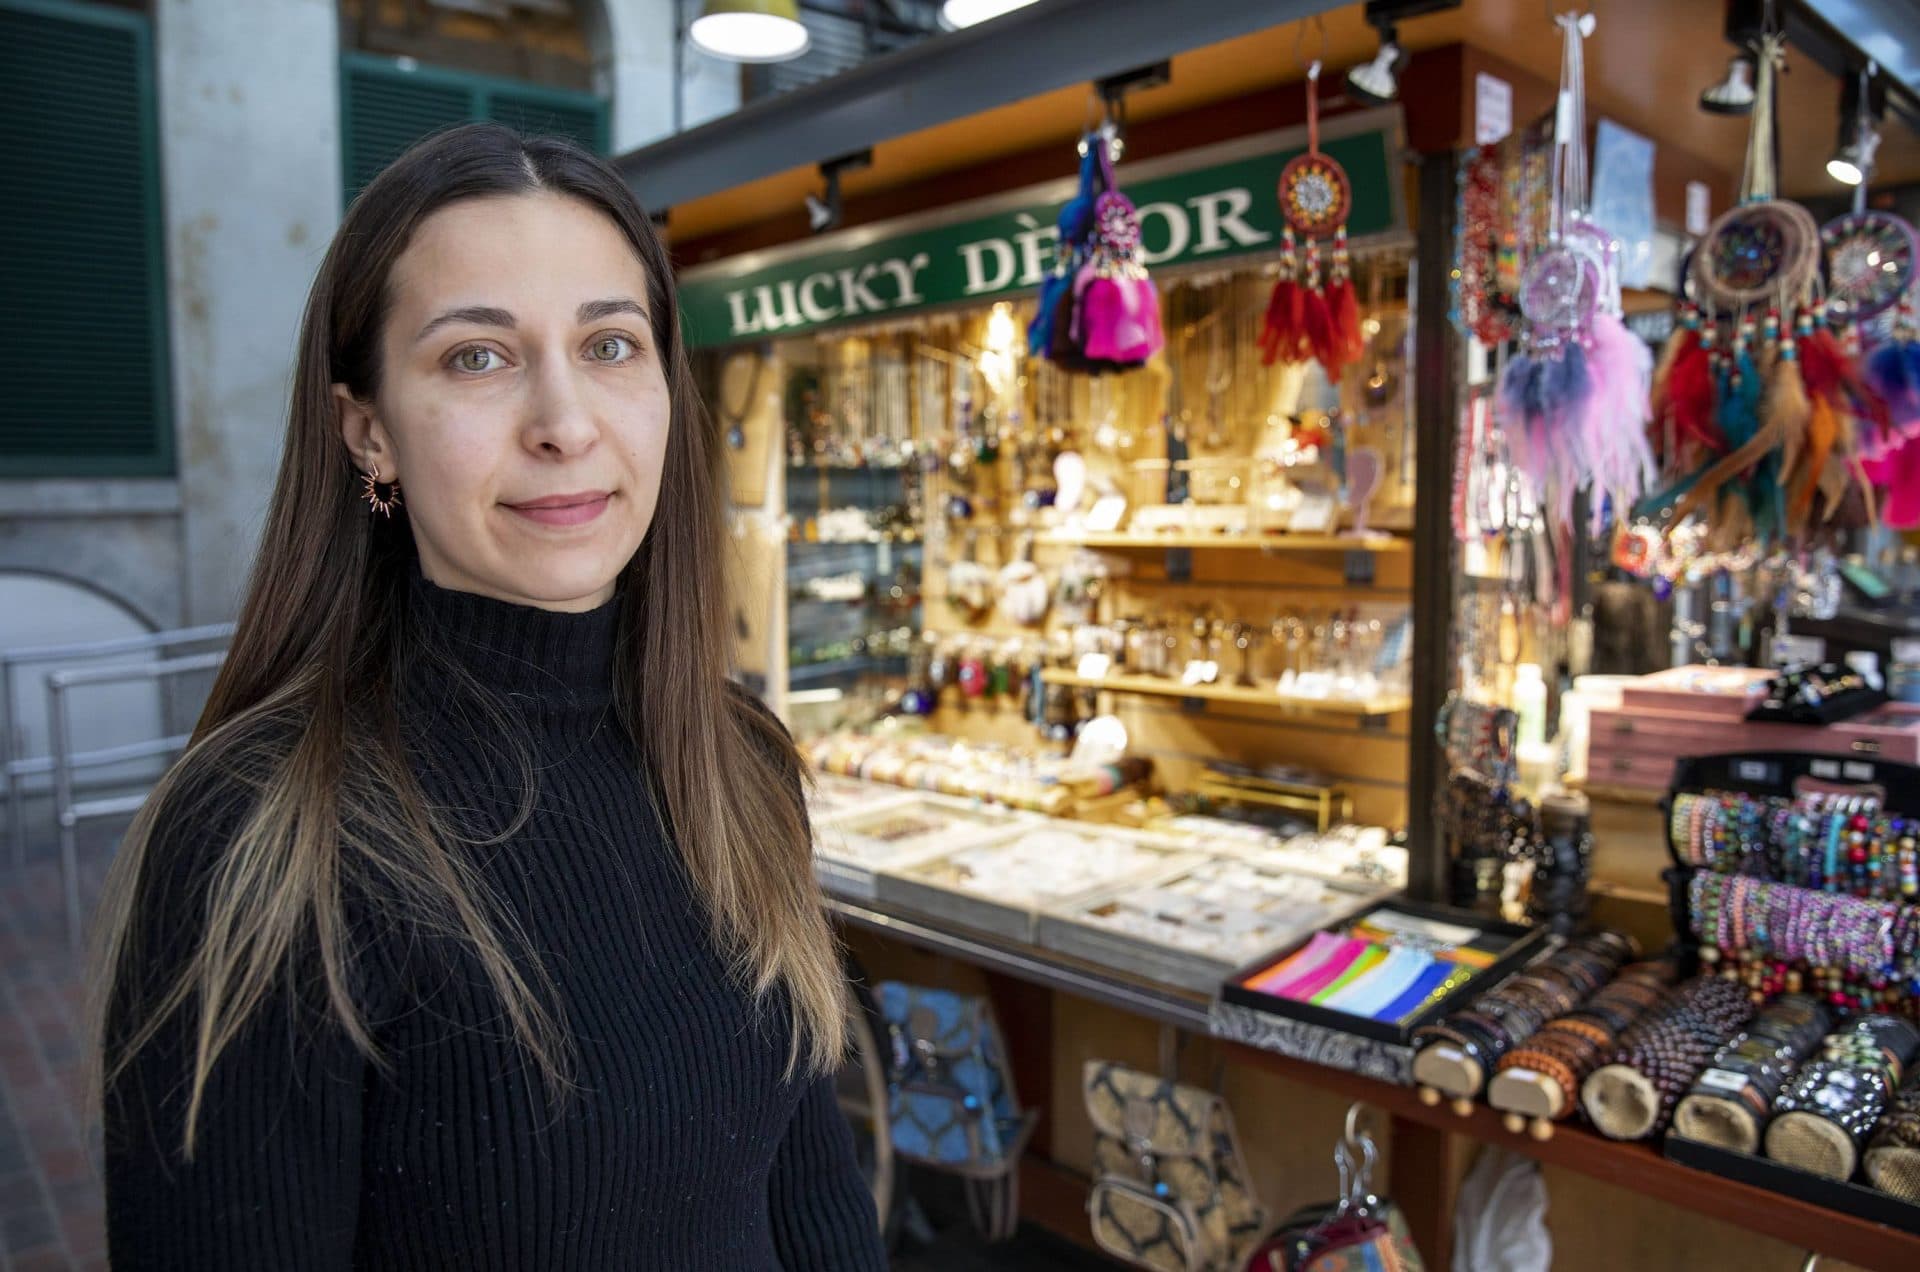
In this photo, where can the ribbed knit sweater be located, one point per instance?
(681, 1147)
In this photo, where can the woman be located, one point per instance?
(477, 928)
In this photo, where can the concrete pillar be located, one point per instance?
(634, 65)
(249, 102)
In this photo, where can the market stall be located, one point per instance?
(1184, 538)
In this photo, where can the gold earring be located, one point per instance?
(385, 506)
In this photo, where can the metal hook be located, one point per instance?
(1300, 44)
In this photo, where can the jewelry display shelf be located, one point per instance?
(1638, 1167)
(1120, 541)
(1170, 688)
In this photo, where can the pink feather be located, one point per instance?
(1609, 429)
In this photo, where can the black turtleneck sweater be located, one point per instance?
(681, 1146)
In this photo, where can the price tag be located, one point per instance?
(1492, 109)
(1699, 208)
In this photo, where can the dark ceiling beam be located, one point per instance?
(1049, 45)
(1841, 35)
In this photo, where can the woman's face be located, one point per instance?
(522, 406)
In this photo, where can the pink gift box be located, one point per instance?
(1720, 692)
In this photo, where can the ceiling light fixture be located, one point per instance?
(965, 13)
(1734, 94)
(824, 209)
(750, 30)
(1852, 161)
(1377, 82)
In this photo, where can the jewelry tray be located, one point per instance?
(930, 887)
(1076, 930)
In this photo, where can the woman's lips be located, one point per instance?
(564, 510)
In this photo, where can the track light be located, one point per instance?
(1852, 161)
(1734, 94)
(750, 30)
(824, 209)
(1377, 82)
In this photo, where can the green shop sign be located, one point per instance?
(1204, 206)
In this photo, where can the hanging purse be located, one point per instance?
(1361, 1232)
(1170, 1188)
(950, 1098)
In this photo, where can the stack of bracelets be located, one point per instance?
(1573, 1045)
(1776, 938)
(1833, 1103)
(1828, 843)
(1893, 1159)
(1660, 1056)
(1503, 1017)
(1730, 1102)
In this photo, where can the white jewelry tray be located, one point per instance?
(943, 887)
(849, 850)
(1087, 928)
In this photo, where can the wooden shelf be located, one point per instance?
(1121, 541)
(1638, 1167)
(1170, 688)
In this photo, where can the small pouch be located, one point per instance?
(1171, 1187)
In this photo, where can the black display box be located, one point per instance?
(1517, 945)
(1857, 1200)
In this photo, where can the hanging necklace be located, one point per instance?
(736, 420)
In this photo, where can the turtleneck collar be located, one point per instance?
(539, 658)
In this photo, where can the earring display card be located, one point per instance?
(850, 849)
(1000, 887)
(1195, 928)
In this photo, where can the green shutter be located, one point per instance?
(385, 110)
(83, 322)
(542, 112)
(387, 105)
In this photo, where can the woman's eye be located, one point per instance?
(612, 349)
(476, 358)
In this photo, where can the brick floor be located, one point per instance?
(52, 1214)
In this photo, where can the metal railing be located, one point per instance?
(69, 812)
(14, 768)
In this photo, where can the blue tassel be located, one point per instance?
(1563, 382)
(1040, 330)
(1740, 403)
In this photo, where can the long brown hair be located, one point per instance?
(301, 717)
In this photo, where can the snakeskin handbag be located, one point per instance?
(950, 1098)
(1171, 1189)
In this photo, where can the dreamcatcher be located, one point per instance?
(1308, 316)
(1769, 424)
(1573, 402)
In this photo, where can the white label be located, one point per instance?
(1492, 109)
(1798, 649)
(1752, 770)
(1857, 772)
(1094, 666)
(1826, 769)
(1721, 1080)
(1699, 208)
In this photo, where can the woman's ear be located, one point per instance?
(365, 439)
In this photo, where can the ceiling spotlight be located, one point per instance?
(823, 209)
(1852, 161)
(966, 13)
(1378, 82)
(1734, 94)
(750, 30)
